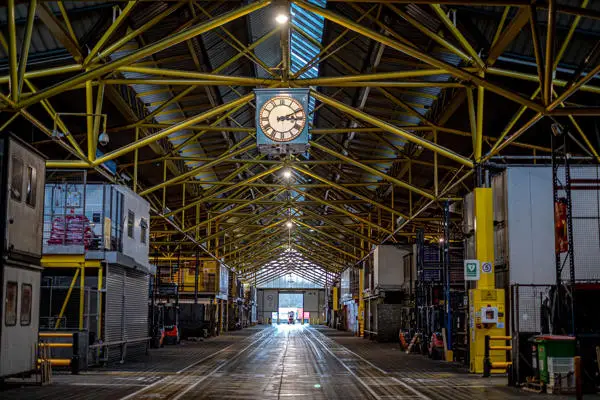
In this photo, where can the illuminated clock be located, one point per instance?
(282, 118)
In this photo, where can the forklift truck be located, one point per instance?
(164, 313)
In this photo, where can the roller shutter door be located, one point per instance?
(126, 318)
(136, 311)
(114, 315)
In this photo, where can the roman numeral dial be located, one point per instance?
(282, 118)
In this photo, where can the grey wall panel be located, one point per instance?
(135, 247)
(468, 213)
(389, 266)
(18, 343)
(530, 225)
(498, 184)
(260, 300)
(311, 300)
(322, 299)
(24, 234)
(345, 293)
(271, 300)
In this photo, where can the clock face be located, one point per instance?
(282, 118)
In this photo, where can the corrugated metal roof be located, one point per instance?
(261, 23)
(83, 17)
(175, 111)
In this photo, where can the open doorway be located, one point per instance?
(291, 307)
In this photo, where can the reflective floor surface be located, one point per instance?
(281, 361)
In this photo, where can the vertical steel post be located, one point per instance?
(410, 197)
(164, 193)
(446, 265)
(487, 368)
(196, 275)
(183, 203)
(549, 61)
(435, 168)
(12, 51)
(89, 117)
(479, 137)
(135, 162)
(81, 295)
(75, 359)
(99, 324)
(25, 45)
(361, 301)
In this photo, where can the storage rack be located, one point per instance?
(440, 292)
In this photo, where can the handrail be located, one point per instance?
(106, 344)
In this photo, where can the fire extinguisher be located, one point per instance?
(561, 238)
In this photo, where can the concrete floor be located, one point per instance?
(275, 362)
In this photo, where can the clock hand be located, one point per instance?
(289, 117)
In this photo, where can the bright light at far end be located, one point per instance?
(281, 18)
(287, 174)
(289, 224)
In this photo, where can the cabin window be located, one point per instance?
(144, 230)
(26, 298)
(130, 220)
(31, 185)
(10, 316)
(16, 181)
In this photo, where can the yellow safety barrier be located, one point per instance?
(490, 367)
(57, 362)
(55, 335)
(46, 358)
(506, 348)
(59, 345)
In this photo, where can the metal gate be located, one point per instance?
(530, 315)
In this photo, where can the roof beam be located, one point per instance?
(60, 33)
(457, 72)
(144, 52)
(391, 129)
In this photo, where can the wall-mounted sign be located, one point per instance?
(472, 270)
(486, 267)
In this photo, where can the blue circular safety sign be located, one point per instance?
(486, 267)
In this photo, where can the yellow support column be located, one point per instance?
(486, 303)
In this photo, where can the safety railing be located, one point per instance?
(489, 366)
(101, 353)
(45, 343)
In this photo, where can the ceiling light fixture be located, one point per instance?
(287, 174)
(289, 224)
(281, 18)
